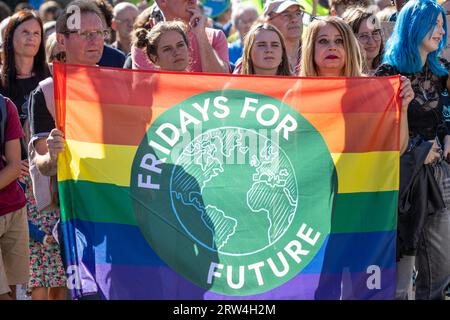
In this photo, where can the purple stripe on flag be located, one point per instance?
(326, 286)
(158, 282)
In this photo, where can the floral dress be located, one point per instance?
(46, 267)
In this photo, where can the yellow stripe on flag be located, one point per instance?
(107, 163)
(367, 172)
(96, 162)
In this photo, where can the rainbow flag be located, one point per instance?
(205, 186)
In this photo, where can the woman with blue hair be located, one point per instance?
(413, 50)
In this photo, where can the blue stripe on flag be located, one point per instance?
(120, 244)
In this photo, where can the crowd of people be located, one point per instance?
(335, 38)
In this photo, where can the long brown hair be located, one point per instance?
(9, 72)
(355, 17)
(249, 41)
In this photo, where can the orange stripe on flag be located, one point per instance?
(121, 105)
(139, 88)
(342, 132)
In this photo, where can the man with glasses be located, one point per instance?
(83, 45)
(125, 14)
(287, 16)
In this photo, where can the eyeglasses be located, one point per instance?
(287, 16)
(88, 35)
(365, 37)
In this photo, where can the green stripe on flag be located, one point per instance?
(354, 212)
(365, 212)
(96, 202)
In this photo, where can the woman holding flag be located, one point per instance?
(331, 50)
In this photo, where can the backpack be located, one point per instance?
(3, 120)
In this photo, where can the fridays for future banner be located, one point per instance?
(203, 186)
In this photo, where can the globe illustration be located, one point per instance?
(234, 190)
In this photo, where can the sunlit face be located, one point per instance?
(267, 52)
(81, 50)
(329, 51)
(27, 38)
(172, 52)
(432, 40)
(370, 39)
(289, 22)
(245, 21)
(124, 22)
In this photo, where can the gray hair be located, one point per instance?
(239, 9)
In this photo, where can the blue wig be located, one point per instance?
(416, 20)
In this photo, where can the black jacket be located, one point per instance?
(419, 196)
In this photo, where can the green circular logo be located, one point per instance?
(267, 190)
(234, 190)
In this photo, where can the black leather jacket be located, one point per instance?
(419, 196)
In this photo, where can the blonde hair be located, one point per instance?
(353, 58)
(249, 41)
(149, 40)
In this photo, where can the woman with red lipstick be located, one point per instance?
(330, 50)
(264, 52)
(424, 218)
(366, 28)
(166, 45)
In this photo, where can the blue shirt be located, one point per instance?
(112, 57)
(235, 50)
